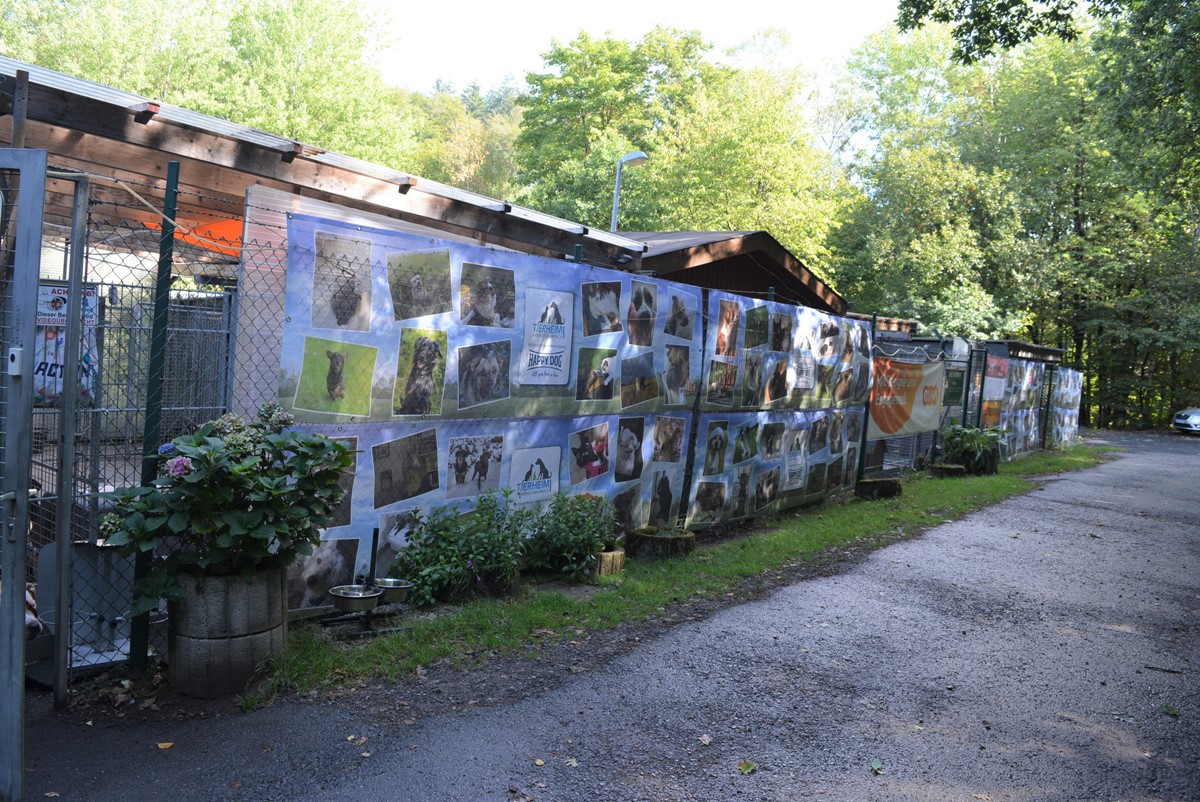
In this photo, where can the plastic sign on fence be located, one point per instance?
(905, 399)
(49, 353)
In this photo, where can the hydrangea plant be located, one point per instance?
(234, 497)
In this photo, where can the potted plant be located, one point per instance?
(976, 450)
(235, 503)
(572, 534)
(452, 554)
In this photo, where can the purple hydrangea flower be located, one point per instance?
(179, 466)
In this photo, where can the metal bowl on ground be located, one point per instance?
(355, 598)
(394, 590)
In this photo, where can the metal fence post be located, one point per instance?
(18, 280)
(139, 633)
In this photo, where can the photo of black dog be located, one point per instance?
(335, 379)
(418, 391)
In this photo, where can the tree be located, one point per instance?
(597, 88)
(981, 27)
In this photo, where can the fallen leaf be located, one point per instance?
(542, 633)
(747, 767)
(982, 796)
(236, 784)
(361, 741)
(876, 766)
(1170, 710)
(366, 754)
(165, 744)
(572, 762)
(705, 739)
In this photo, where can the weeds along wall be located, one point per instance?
(454, 369)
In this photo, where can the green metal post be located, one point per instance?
(139, 635)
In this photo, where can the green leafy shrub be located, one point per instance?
(232, 498)
(450, 554)
(567, 535)
(977, 450)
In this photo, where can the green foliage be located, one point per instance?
(981, 27)
(567, 535)
(974, 449)
(450, 555)
(232, 498)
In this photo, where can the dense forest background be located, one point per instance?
(1039, 183)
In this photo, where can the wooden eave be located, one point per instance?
(756, 251)
(133, 141)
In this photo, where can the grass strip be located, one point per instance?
(646, 588)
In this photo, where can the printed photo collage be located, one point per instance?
(403, 470)
(751, 463)
(383, 326)
(763, 355)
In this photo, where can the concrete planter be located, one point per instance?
(223, 630)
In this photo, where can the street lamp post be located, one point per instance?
(632, 159)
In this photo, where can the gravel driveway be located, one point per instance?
(1043, 649)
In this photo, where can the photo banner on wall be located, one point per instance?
(905, 398)
(766, 355)
(381, 325)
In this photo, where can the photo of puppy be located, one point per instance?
(710, 502)
(589, 451)
(639, 382)
(628, 464)
(601, 307)
(393, 529)
(420, 386)
(335, 379)
(341, 515)
(765, 488)
(714, 451)
(551, 315)
(628, 508)
(405, 467)
(662, 500)
(341, 289)
(758, 324)
(675, 377)
(679, 318)
(741, 494)
(310, 578)
(643, 306)
(722, 378)
(483, 373)
(596, 379)
(753, 380)
(668, 439)
(727, 328)
(488, 296)
(745, 443)
(777, 387)
(772, 440)
(781, 332)
(473, 465)
(419, 283)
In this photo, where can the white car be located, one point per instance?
(1187, 420)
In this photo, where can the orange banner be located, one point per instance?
(905, 399)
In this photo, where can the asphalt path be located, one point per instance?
(1042, 650)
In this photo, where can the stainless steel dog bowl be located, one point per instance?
(394, 590)
(355, 598)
